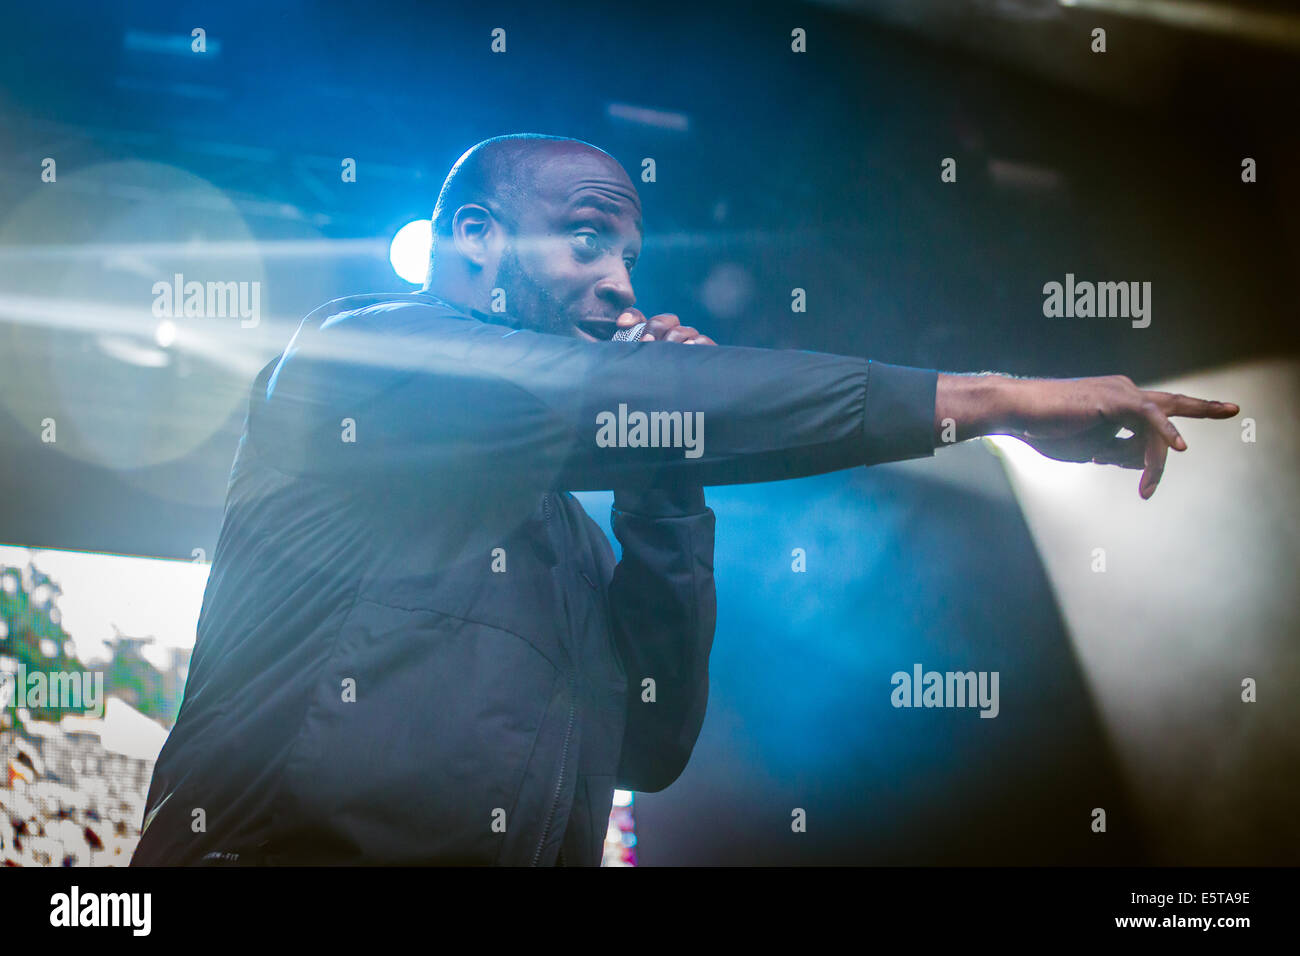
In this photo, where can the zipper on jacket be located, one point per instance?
(559, 781)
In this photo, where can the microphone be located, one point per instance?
(630, 334)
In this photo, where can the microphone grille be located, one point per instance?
(630, 334)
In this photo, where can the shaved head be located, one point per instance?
(500, 174)
(543, 229)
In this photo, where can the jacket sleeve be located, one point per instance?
(664, 609)
(447, 398)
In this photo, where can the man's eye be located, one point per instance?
(587, 241)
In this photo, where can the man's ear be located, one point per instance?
(475, 233)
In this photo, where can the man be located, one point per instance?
(415, 646)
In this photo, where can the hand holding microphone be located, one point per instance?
(633, 326)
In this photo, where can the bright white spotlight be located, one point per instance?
(165, 334)
(409, 253)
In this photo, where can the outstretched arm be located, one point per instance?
(1066, 419)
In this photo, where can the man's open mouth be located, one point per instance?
(601, 329)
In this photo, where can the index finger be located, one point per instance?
(1188, 407)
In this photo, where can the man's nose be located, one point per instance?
(617, 289)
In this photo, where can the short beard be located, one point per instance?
(528, 305)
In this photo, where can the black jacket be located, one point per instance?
(415, 646)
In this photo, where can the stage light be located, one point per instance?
(409, 252)
(165, 333)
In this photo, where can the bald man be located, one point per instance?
(415, 645)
